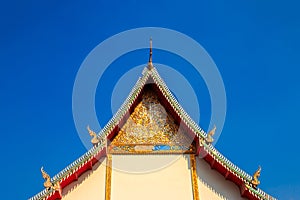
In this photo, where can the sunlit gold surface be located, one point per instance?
(48, 184)
(150, 124)
(56, 186)
(194, 177)
(255, 182)
(108, 177)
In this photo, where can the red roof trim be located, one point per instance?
(76, 174)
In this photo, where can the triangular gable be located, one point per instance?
(151, 128)
(151, 80)
(189, 130)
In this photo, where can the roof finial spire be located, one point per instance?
(150, 65)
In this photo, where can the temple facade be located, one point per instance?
(152, 149)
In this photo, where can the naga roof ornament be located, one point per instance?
(209, 138)
(94, 139)
(48, 184)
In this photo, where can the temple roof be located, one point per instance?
(117, 124)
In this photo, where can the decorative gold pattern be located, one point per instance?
(209, 138)
(255, 182)
(150, 124)
(108, 177)
(194, 177)
(94, 139)
(150, 149)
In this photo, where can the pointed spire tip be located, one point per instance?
(150, 65)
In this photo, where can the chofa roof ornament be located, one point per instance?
(209, 138)
(255, 182)
(48, 184)
(94, 139)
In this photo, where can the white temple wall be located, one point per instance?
(171, 182)
(212, 185)
(89, 186)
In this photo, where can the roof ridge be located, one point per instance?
(189, 122)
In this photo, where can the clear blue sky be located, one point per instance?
(255, 45)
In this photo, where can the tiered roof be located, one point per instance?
(209, 153)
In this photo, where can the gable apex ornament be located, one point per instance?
(150, 64)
